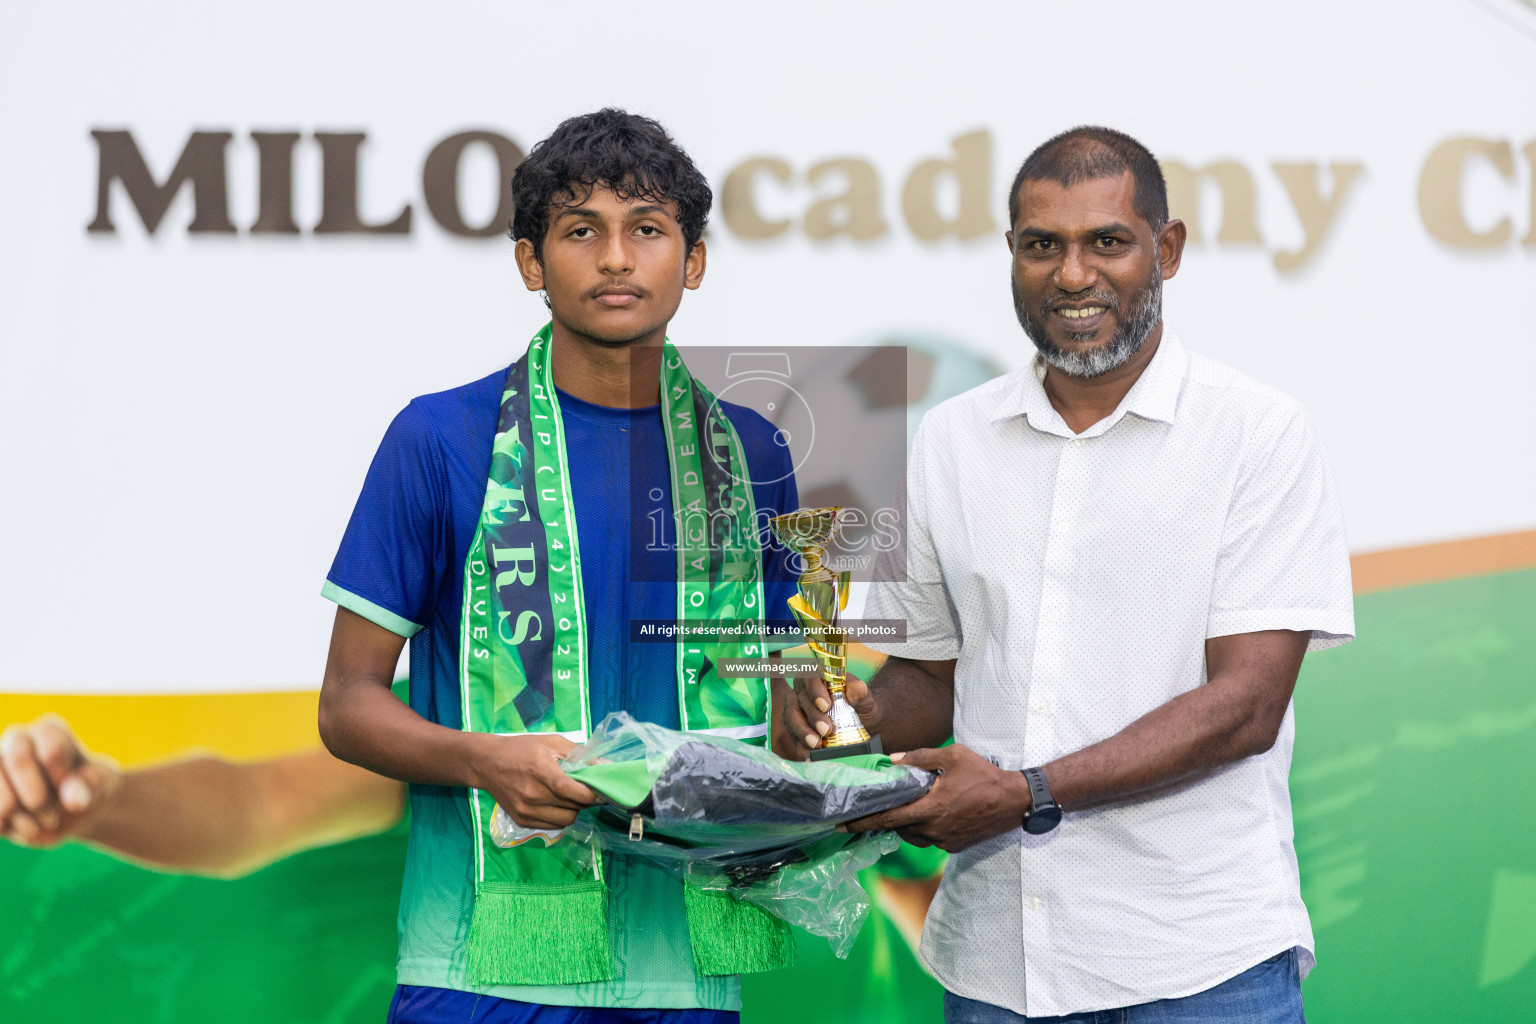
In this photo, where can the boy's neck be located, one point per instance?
(619, 376)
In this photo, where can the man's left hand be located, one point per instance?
(971, 800)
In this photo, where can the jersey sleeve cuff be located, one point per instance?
(370, 611)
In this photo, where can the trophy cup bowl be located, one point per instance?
(821, 597)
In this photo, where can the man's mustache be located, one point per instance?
(1106, 299)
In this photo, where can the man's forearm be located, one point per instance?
(916, 708)
(1191, 734)
(209, 816)
(189, 816)
(1235, 715)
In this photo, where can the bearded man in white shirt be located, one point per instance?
(1115, 561)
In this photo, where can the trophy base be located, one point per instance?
(869, 746)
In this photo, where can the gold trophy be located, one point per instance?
(822, 596)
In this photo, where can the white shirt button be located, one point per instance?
(1078, 441)
(1053, 615)
(1035, 903)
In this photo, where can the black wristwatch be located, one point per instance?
(1043, 814)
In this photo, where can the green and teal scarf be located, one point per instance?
(540, 915)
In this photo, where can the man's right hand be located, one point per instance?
(523, 773)
(50, 784)
(802, 719)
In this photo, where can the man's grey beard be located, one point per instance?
(1130, 334)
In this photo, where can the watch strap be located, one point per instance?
(1039, 792)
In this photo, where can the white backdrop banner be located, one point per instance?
(237, 240)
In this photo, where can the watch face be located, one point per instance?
(1043, 820)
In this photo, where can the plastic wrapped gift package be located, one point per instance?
(727, 815)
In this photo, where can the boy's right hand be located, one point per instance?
(50, 784)
(523, 774)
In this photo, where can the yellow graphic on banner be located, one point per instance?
(138, 729)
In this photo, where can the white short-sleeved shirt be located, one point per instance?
(1076, 579)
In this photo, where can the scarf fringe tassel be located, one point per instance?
(732, 936)
(539, 936)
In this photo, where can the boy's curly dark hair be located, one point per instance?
(615, 149)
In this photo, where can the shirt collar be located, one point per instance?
(1154, 396)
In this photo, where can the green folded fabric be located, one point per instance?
(735, 820)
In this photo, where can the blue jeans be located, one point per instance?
(1269, 993)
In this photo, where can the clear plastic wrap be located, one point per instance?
(728, 816)
(821, 895)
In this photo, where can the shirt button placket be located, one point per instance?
(1035, 861)
(1052, 618)
(1037, 937)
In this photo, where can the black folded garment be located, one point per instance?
(706, 782)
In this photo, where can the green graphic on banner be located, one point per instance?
(1415, 800)
(1414, 788)
(310, 940)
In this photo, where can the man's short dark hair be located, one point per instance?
(1088, 152)
(632, 155)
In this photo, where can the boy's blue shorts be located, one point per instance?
(415, 1004)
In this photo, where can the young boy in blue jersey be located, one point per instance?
(505, 529)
